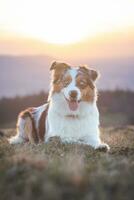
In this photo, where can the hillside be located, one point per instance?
(68, 171)
(21, 75)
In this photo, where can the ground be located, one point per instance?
(68, 171)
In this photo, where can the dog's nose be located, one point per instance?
(73, 94)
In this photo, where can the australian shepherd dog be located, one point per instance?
(71, 112)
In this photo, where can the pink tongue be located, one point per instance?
(73, 105)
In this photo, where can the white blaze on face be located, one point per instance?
(73, 104)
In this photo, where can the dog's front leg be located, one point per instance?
(97, 144)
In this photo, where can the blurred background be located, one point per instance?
(33, 34)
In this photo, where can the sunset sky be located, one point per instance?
(99, 33)
(62, 24)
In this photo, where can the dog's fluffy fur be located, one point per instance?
(71, 112)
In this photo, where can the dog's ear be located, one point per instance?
(59, 65)
(84, 68)
(53, 66)
(94, 74)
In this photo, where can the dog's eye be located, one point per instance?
(66, 82)
(82, 84)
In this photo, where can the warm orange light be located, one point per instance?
(64, 21)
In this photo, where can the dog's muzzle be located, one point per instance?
(73, 101)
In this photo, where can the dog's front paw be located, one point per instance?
(15, 140)
(103, 147)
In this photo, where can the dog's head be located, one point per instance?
(76, 84)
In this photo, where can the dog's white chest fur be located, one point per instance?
(82, 128)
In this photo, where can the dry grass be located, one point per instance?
(68, 171)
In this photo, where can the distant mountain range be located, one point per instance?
(21, 75)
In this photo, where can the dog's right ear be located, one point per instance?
(59, 65)
(53, 66)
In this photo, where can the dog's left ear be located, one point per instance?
(94, 74)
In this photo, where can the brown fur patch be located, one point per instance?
(56, 65)
(66, 80)
(88, 94)
(28, 130)
(93, 74)
(42, 125)
(86, 87)
(32, 135)
(59, 70)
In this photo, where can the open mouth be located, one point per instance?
(73, 104)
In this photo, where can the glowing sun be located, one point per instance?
(64, 21)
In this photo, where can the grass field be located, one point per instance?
(68, 171)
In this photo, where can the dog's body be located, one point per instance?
(71, 112)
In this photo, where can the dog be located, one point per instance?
(71, 112)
